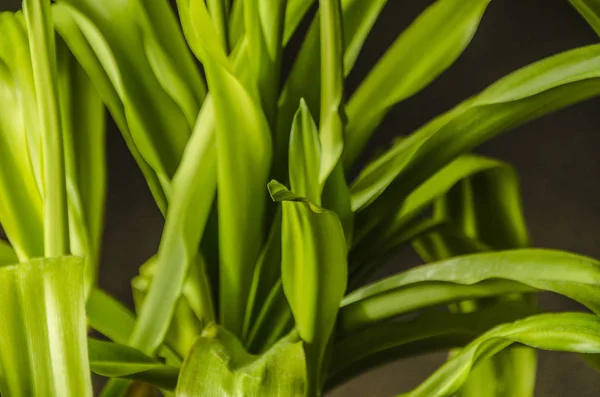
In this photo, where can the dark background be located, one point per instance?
(556, 158)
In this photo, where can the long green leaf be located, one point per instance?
(40, 30)
(590, 10)
(531, 92)
(43, 350)
(66, 26)
(313, 271)
(359, 352)
(571, 275)
(119, 361)
(573, 332)
(83, 123)
(358, 17)
(244, 153)
(152, 72)
(421, 53)
(193, 190)
(218, 365)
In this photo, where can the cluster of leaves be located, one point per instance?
(256, 291)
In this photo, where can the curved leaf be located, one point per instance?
(533, 91)
(571, 275)
(573, 332)
(361, 351)
(590, 10)
(421, 53)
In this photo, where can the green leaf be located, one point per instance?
(331, 126)
(264, 24)
(267, 273)
(218, 11)
(431, 331)
(109, 317)
(152, 72)
(305, 155)
(274, 320)
(193, 189)
(573, 332)
(119, 361)
(83, 124)
(533, 91)
(244, 153)
(38, 19)
(70, 32)
(421, 53)
(294, 14)
(358, 17)
(590, 10)
(43, 350)
(218, 365)
(7, 254)
(313, 271)
(473, 276)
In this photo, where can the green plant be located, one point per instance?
(251, 295)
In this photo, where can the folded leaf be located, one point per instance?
(218, 365)
(313, 271)
(572, 332)
(43, 349)
(421, 53)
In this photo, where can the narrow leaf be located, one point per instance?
(421, 53)
(590, 10)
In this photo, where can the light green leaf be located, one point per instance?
(244, 154)
(590, 10)
(573, 332)
(219, 13)
(118, 361)
(358, 17)
(7, 254)
(313, 271)
(489, 274)
(431, 331)
(66, 26)
(83, 124)
(193, 189)
(43, 349)
(267, 273)
(533, 91)
(159, 126)
(421, 53)
(294, 14)
(218, 365)
(304, 155)
(331, 126)
(264, 23)
(109, 317)
(40, 30)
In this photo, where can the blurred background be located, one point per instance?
(556, 157)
